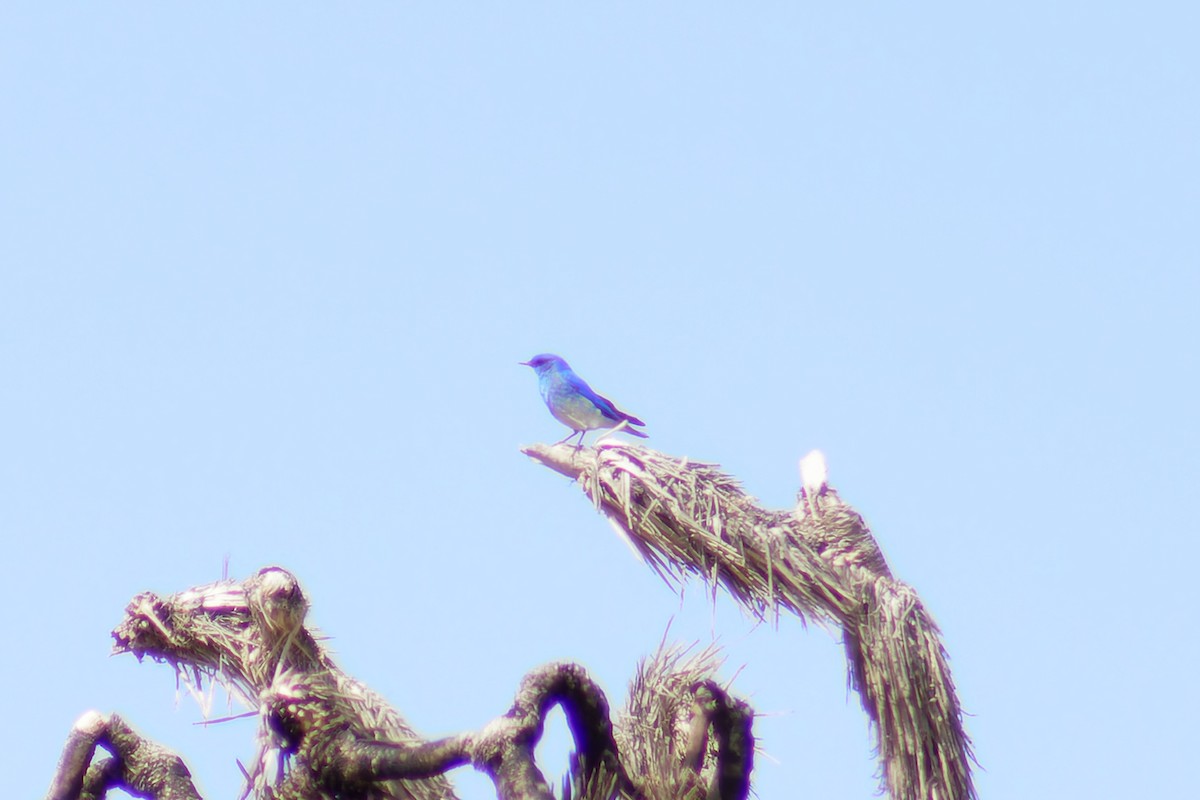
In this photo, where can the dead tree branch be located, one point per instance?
(324, 735)
(505, 748)
(138, 766)
(681, 735)
(818, 562)
(249, 635)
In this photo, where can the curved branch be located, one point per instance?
(333, 751)
(140, 767)
(819, 562)
(332, 755)
(505, 748)
(731, 723)
(76, 757)
(250, 636)
(341, 740)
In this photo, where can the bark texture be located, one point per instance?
(325, 736)
(819, 562)
(138, 766)
(681, 735)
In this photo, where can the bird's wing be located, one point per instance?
(607, 407)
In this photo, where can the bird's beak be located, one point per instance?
(525, 363)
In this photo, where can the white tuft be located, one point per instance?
(814, 474)
(92, 722)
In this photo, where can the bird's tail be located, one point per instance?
(637, 433)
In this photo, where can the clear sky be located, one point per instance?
(268, 269)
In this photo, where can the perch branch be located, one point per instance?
(819, 562)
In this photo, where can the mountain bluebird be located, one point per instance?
(573, 403)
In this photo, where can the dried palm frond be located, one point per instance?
(673, 738)
(324, 735)
(818, 562)
(247, 636)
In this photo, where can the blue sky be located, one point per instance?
(268, 271)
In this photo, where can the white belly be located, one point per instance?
(580, 415)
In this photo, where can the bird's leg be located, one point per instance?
(571, 436)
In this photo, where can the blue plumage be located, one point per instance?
(574, 403)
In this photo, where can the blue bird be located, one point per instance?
(573, 403)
